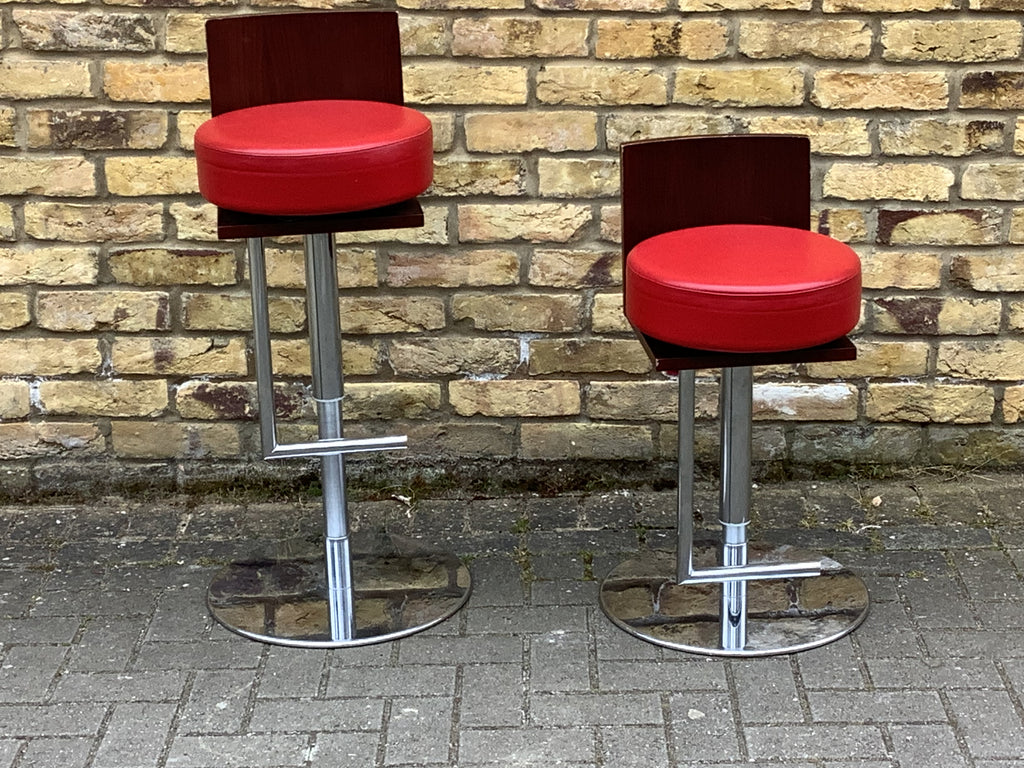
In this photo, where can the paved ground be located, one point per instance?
(108, 658)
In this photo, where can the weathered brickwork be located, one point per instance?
(497, 328)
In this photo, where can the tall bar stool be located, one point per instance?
(309, 136)
(722, 272)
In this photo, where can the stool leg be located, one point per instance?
(685, 477)
(734, 509)
(328, 386)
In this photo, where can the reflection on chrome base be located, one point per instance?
(400, 588)
(642, 597)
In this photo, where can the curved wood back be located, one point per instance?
(276, 57)
(694, 181)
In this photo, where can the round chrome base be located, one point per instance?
(400, 589)
(642, 597)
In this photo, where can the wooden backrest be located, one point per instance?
(694, 181)
(272, 58)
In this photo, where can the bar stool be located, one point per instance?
(309, 136)
(722, 272)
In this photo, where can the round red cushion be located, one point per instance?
(743, 288)
(314, 157)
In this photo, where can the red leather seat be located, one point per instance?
(743, 288)
(304, 158)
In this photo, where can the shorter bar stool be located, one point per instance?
(309, 136)
(721, 271)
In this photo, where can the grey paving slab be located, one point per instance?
(560, 661)
(522, 747)
(704, 728)
(634, 747)
(135, 736)
(243, 751)
(344, 750)
(492, 695)
(218, 702)
(770, 693)
(931, 745)
(802, 742)
(989, 722)
(66, 753)
(308, 715)
(419, 731)
(877, 706)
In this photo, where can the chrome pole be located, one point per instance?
(734, 510)
(325, 359)
(685, 479)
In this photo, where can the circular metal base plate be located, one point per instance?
(400, 589)
(642, 597)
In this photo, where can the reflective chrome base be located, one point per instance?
(642, 597)
(400, 588)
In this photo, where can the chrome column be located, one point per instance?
(734, 509)
(325, 360)
(685, 478)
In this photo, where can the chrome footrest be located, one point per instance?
(334, 447)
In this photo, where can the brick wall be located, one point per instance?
(496, 330)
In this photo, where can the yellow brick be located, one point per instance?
(94, 223)
(842, 136)
(24, 356)
(836, 89)
(33, 79)
(91, 311)
(697, 40)
(524, 131)
(822, 39)
(151, 175)
(955, 41)
(898, 269)
(597, 84)
(48, 266)
(112, 397)
(762, 87)
(184, 82)
(451, 83)
(520, 399)
(532, 222)
(888, 181)
(509, 37)
(577, 178)
(186, 33)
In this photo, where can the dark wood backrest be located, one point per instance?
(694, 181)
(272, 58)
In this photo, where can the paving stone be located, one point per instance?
(876, 706)
(527, 620)
(979, 644)
(704, 728)
(50, 720)
(107, 645)
(564, 592)
(559, 661)
(344, 750)
(48, 629)
(832, 666)
(932, 745)
(212, 654)
(769, 691)
(136, 734)
(27, 672)
(241, 751)
(989, 723)
(478, 649)
(9, 749)
(496, 581)
(66, 753)
(391, 681)
(525, 747)
(573, 709)
(685, 673)
(120, 686)
(307, 716)
(638, 747)
(935, 673)
(293, 672)
(492, 695)
(218, 702)
(802, 742)
(419, 731)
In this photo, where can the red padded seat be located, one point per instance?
(743, 288)
(305, 158)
